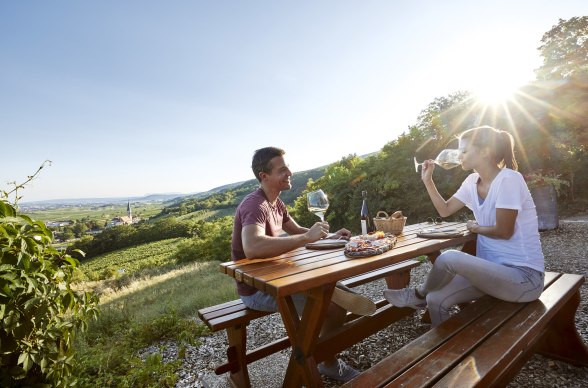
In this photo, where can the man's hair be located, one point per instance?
(262, 160)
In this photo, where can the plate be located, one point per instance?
(439, 233)
(326, 244)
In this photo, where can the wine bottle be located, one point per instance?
(367, 223)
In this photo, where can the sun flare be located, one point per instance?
(495, 90)
(494, 94)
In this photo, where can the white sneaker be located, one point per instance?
(405, 297)
(340, 372)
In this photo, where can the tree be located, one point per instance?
(564, 49)
(39, 312)
(79, 228)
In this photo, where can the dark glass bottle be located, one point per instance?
(367, 223)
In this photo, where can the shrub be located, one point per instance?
(213, 242)
(125, 236)
(39, 312)
(538, 179)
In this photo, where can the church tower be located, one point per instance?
(129, 212)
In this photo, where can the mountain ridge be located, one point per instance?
(170, 198)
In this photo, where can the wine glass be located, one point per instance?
(318, 203)
(447, 159)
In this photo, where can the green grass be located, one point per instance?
(183, 290)
(133, 260)
(153, 305)
(208, 214)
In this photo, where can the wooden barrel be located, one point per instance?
(545, 199)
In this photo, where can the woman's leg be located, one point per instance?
(507, 283)
(440, 302)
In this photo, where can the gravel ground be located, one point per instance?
(565, 251)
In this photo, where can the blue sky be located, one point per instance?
(130, 98)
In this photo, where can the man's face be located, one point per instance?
(279, 177)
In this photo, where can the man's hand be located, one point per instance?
(341, 234)
(317, 231)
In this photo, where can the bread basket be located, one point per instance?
(387, 224)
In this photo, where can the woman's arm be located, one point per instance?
(504, 228)
(444, 208)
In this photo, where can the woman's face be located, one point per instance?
(469, 155)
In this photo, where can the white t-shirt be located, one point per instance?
(507, 191)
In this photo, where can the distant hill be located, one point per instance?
(172, 201)
(204, 194)
(68, 202)
(229, 196)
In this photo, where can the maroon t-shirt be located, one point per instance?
(255, 209)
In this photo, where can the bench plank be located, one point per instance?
(380, 273)
(454, 356)
(415, 351)
(490, 363)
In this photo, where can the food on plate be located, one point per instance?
(370, 244)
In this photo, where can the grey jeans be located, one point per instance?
(458, 277)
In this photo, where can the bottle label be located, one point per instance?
(363, 227)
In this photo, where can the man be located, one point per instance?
(261, 222)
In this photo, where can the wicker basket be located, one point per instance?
(389, 225)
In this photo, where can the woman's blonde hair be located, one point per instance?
(501, 143)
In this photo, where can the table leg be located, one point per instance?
(398, 280)
(469, 247)
(304, 334)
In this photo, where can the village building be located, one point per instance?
(57, 224)
(123, 220)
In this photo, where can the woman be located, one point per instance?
(509, 262)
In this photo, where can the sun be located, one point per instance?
(493, 65)
(493, 95)
(495, 90)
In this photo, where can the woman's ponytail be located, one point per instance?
(501, 143)
(506, 152)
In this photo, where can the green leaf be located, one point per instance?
(26, 361)
(6, 210)
(68, 300)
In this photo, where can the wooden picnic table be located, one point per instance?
(315, 273)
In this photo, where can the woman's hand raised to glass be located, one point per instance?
(427, 170)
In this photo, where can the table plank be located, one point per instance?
(247, 265)
(316, 274)
(246, 273)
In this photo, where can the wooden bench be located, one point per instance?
(488, 342)
(234, 317)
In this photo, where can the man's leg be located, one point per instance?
(334, 320)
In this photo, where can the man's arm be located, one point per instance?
(291, 227)
(257, 245)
